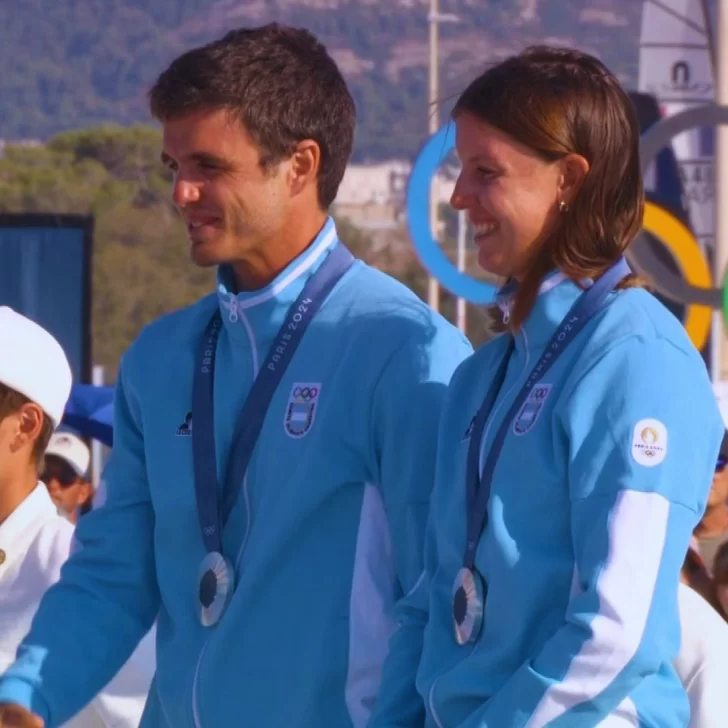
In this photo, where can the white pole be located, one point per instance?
(721, 186)
(433, 288)
(462, 239)
(97, 453)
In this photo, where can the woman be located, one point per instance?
(576, 450)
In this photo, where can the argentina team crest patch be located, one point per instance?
(531, 409)
(301, 409)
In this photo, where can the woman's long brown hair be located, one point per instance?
(560, 101)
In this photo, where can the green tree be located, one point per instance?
(141, 268)
(71, 64)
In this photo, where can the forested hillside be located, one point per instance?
(73, 63)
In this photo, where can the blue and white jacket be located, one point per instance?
(593, 502)
(326, 535)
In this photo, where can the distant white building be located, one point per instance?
(19, 143)
(373, 196)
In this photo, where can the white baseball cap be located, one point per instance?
(72, 449)
(33, 363)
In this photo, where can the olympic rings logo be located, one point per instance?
(692, 287)
(305, 393)
(540, 393)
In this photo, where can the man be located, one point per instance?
(273, 549)
(35, 381)
(65, 474)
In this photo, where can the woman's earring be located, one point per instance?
(563, 206)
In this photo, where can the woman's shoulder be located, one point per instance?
(635, 313)
(635, 350)
(635, 326)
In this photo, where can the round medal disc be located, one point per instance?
(467, 605)
(215, 587)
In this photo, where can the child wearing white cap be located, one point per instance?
(35, 383)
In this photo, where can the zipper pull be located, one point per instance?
(232, 307)
(504, 304)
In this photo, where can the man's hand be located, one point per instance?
(15, 716)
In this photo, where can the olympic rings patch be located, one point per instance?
(301, 409)
(305, 394)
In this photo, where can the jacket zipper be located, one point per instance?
(235, 313)
(246, 498)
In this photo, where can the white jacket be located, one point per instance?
(703, 660)
(34, 543)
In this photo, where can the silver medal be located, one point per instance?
(215, 587)
(467, 605)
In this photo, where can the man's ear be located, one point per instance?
(305, 164)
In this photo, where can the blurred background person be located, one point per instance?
(65, 475)
(695, 574)
(705, 568)
(702, 663)
(720, 580)
(712, 531)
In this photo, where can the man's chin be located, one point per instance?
(204, 255)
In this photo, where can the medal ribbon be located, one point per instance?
(213, 510)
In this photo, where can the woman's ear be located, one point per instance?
(574, 168)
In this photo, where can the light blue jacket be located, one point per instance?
(326, 535)
(591, 512)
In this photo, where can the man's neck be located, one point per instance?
(713, 523)
(259, 269)
(14, 490)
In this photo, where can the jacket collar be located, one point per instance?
(557, 294)
(263, 312)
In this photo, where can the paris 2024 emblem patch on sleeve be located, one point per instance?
(649, 442)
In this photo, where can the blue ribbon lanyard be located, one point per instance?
(478, 486)
(212, 514)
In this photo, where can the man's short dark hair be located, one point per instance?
(10, 403)
(280, 82)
